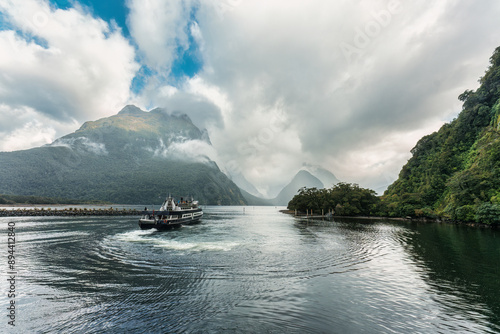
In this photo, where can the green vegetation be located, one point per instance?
(454, 173)
(114, 180)
(18, 199)
(344, 199)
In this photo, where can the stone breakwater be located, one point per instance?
(68, 212)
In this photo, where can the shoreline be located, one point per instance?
(41, 212)
(419, 220)
(303, 215)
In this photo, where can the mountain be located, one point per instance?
(325, 176)
(134, 157)
(310, 176)
(245, 185)
(301, 179)
(255, 200)
(455, 172)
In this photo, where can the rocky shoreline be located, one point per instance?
(20, 212)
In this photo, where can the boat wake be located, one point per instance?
(135, 236)
(195, 246)
(159, 241)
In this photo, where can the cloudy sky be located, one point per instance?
(348, 85)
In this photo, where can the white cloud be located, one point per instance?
(184, 149)
(64, 65)
(23, 128)
(160, 27)
(277, 87)
(82, 144)
(205, 104)
(358, 117)
(31, 134)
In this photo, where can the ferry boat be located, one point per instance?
(171, 214)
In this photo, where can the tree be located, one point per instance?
(488, 213)
(345, 199)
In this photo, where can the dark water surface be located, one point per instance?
(251, 271)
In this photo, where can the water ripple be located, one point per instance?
(251, 271)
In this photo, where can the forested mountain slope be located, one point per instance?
(134, 157)
(455, 172)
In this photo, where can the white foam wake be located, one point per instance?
(195, 246)
(135, 236)
(145, 236)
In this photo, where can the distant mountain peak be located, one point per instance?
(158, 121)
(182, 116)
(302, 179)
(159, 110)
(325, 176)
(304, 175)
(309, 176)
(244, 184)
(176, 114)
(205, 137)
(131, 110)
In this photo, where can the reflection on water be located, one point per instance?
(463, 264)
(255, 270)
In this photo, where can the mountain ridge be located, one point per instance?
(305, 177)
(132, 157)
(302, 179)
